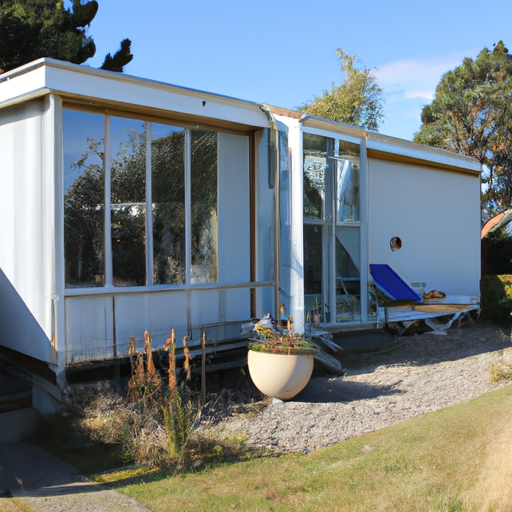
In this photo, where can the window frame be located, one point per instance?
(108, 288)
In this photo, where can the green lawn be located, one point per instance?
(456, 459)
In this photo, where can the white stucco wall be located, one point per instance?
(436, 214)
(27, 228)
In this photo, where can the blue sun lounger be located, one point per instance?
(390, 283)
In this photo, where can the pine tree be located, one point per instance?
(471, 114)
(31, 29)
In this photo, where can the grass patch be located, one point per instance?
(456, 459)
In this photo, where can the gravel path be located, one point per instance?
(99, 500)
(420, 374)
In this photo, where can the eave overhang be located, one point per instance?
(384, 147)
(99, 89)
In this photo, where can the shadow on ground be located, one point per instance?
(321, 389)
(366, 351)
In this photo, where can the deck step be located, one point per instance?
(20, 424)
(18, 419)
(15, 392)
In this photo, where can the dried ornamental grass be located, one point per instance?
(500, 372)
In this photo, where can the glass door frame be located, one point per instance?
(329, 223)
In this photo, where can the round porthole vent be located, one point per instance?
(395, 243)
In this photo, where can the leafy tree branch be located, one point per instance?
(358, 101)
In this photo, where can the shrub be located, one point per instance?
(500, 372)
(496, 298)
(171, 405)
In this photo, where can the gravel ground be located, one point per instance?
(414, 375)
(419, 374)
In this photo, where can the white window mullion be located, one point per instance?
(363, 206)
(332, 232)
(149, 209)
(108, 212)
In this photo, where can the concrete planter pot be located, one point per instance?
(280, 375)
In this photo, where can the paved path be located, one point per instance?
(44, 483)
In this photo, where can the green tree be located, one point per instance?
(471, 114)
(31, 29)
(358, 101)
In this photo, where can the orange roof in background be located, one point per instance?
(492, 222)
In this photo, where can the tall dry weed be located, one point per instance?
(154, 420)
(177, 408)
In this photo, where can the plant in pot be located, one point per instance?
(280, 361)
(347, 308)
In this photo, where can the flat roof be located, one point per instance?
(386, 147)
(379, 146)
(81, 86)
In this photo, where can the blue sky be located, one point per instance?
(283, 52)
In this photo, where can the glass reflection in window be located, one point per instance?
(84, 211)
(128, 203)
(347, 191)
(315, 150)
(348, 272)
(204, 207)
(168, 198)
(313, 279)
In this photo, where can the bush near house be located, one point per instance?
(496, 298)
(497, 253)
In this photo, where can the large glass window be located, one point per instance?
(204, 207)
(152, 167)
(348, 265)
(313, 273)
(315, 168)
(84, 199)
(347, 182)
(347, 235)
(317, 177)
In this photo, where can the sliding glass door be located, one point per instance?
(332, 230)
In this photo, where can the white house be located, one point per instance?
(129, 205)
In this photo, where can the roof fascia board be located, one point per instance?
(333, 134)
(430, 164)
(386, 144)
(382, 144)
(70, 79)
(333, 126)
(379, 146)
(318, 123)
(154, 115)
(22, 86)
